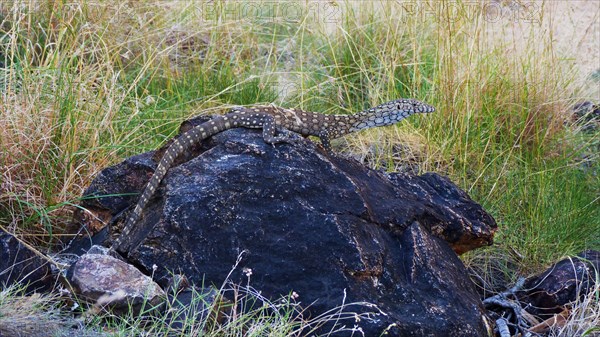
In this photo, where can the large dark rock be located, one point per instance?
(319, 225)
(19, 264)
(587, 114)
(564, 282)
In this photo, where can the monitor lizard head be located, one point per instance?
(389, 113)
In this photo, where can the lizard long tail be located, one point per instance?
(180, 145)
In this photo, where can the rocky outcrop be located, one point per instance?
(319, 225)
(548, 301)
(587, 115)
(20, 264)
(566, 281)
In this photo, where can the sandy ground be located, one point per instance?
(573, 28)
(570, 28)
(576, 27)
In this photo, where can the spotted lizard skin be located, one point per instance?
(276, 123)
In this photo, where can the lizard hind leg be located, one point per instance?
(273, 133)
(324, 136)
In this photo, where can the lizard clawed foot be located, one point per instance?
(284, 136)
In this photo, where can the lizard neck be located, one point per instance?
(375, 117)
(369, 118)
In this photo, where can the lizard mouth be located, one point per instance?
(427, 109)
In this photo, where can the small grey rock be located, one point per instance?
(106, 280)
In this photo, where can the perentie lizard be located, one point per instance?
(276, 124)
